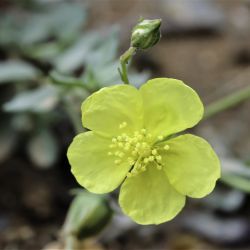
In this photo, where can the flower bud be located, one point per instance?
(146, 34)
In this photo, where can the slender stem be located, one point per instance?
(124, 73)
(68, 81)
(227, 102)
(124, 59)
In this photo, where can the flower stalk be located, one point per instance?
(124, 59)
(144, 35)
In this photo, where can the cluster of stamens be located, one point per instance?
(136, 149)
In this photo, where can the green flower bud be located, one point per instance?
(146, 34)
(87, 215)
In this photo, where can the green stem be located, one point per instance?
(71, 243)
(227, 102)
(124, 59)
(68, 81)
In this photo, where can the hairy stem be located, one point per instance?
(227, 102)
(124, 59)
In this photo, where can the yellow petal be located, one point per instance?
(191, 165)
(92, 166)
(113, 110)
(170, 106)
(148, 198)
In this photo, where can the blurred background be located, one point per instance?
(53, 54)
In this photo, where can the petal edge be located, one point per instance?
(91, 165)
(170, 106)
(191, 165)
(148, 198)
(105, 110)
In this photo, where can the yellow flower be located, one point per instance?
(131, 142)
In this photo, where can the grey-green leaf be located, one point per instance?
(16, 71)
(236, 174)
(43, 149)
(76, 55)
(62, 21)
(42, 99)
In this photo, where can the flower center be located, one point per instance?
(137, 149)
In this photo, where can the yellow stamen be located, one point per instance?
(154, 152)
(151, 158)
(159, 167)
(136, 150)
(160, 137)
(158, 158)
